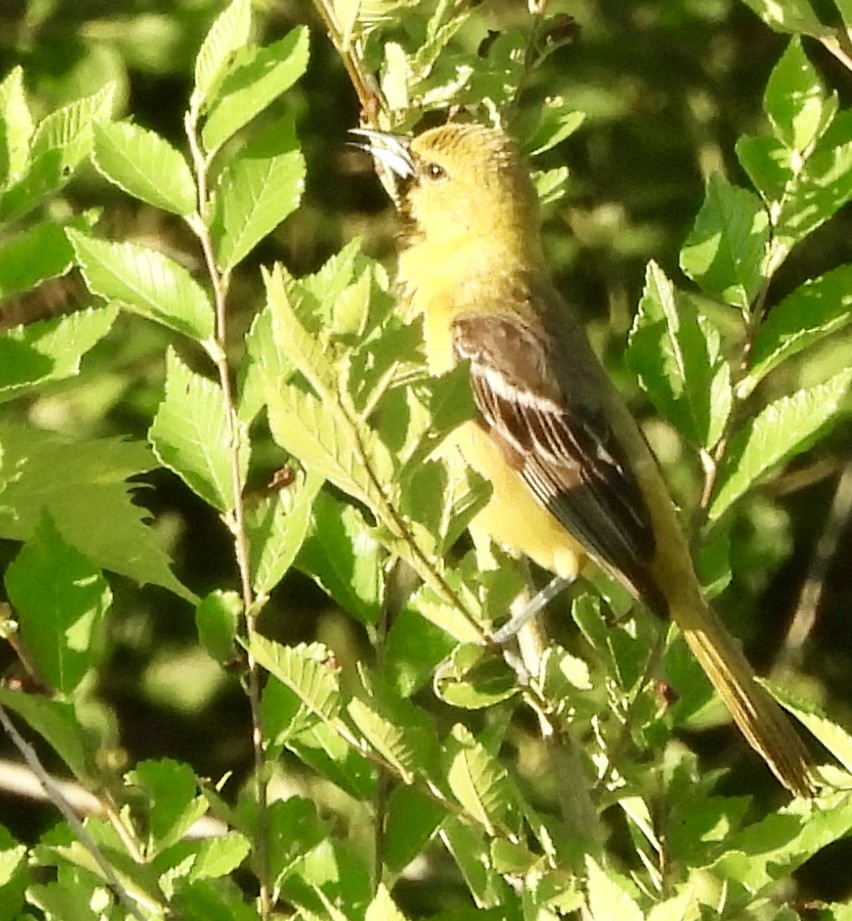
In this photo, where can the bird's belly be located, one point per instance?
(513, 518)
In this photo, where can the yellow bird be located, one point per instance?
(572, 475)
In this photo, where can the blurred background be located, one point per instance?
(667, 87)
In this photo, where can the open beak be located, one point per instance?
(391, 150)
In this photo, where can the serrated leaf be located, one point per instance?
(147, 283)
(49, 350)
(60, 143)
(396, 743)
(144, 165)
(217, 857)
(795, 100)
(16, 126)
(60, 600)
(473, 857)
(815, 310)
(39, 253)
(308, 430)
(277, 527)
(412, 818)
(173, 799)
(768, 165)
(228, 33)
(783, 429)
(726, 249)
(607, 899)
(382, 907)
(57, 724)
(306, 670)
(90, 502)
(821, 186)
(471, 677)
(259, 187)
(789, 16)
(190, 435)
(554, 121)
(834, 737)
(258, 76)
(344, 558)
(676, 353)
(478, 780)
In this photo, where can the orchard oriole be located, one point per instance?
(573, 478)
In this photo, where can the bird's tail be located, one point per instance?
(759, 717)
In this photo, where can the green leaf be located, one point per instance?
(472, 677)
(310, 430)
(39, 253)
(277, 527)
(789, 16)
(220, 856)
(398, 732)
(90, 503)
(60, 600)
(607, 898)
(759, 855)
(16, 126)
(259, 75)
(261, 185)
(58, 903)
(189, 435)
(49, 350)
(344, 558)
(821, 186)
(217, 618)
(813, 311)
(228, 33)
(784, 428)
(59, 145)
(295, 828)
(412, 819)
(382, 907)
(549, 125)
(795, 100)
(472, 854)
(56, 722)
(146, 282)
(834, 737)
(413, 650)
(173, 800)
(768, 164)
(726, 250)
(144, 165)
(478, 780)
(306, 670)
(677, 355)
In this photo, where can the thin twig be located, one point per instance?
(236, 522)
(805, 617)
(54, 793)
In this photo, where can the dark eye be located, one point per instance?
(434, 172)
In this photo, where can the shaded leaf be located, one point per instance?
(60, 600)
(726, 249)
(90, 502)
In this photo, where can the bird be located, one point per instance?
(574, 482)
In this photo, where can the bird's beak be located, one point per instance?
(391, 150)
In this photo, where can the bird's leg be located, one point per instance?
(556, 585)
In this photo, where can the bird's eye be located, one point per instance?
(434, 172)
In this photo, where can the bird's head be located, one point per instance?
(459, 182)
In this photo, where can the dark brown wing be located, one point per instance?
(560, 442)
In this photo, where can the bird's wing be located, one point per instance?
(558, 441)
